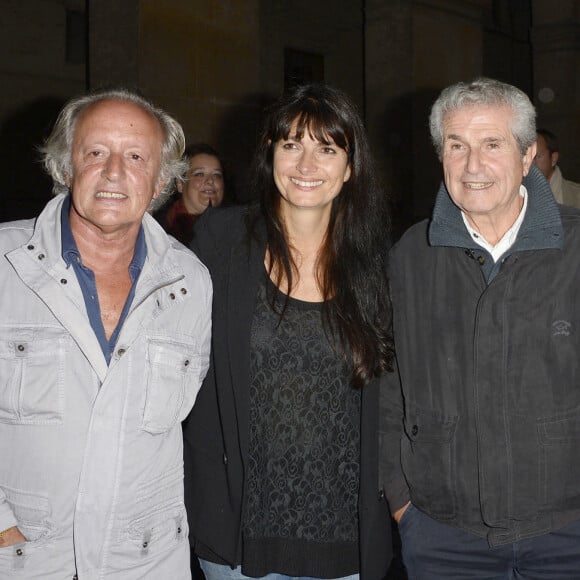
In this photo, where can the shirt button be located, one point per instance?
(172, 296)
(121, 351)
(414, 430)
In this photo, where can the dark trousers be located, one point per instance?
(436, 551)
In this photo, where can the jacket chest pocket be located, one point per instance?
(173, 376)
(32, 369)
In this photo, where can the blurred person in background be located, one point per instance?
(202, 186)
(547, 154)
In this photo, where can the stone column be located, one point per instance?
(113, 43)
(388, 91)
(556, 41)
(413, 50)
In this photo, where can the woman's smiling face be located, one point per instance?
(309, 173)
(204, 185)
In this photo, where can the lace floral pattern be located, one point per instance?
(303, 468)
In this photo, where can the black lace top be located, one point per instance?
(300, 515)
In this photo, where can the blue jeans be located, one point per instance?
(433, 550)
(219, 572)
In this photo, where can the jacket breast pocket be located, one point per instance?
(428, 456)
(32, 370)
(173, 379)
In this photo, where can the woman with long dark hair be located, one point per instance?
(281, 447)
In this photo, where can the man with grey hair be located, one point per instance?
(104, 341)
(480, 434)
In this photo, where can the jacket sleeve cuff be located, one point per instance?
(391, 474)
(396, 492)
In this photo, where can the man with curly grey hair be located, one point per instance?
(104, 342)
(480, 434)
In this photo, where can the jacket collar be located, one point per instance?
(541, 228)
(246, 270)
(43, 251)
(47, 238)
(70, 252)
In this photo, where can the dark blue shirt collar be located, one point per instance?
(86, 280)
(71, 253)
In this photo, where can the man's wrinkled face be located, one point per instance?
(116, 156)
(482, 163)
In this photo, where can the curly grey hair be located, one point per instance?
(57, 149)
(485, 91)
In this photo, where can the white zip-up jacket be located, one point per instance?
(91, 467)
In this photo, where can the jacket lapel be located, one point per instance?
(245, 271)
(64, 300)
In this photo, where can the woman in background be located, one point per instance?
(202, 186)
(281, 447)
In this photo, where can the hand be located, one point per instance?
(11, 537)
(399, 513)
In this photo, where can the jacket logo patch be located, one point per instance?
(561, 328)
